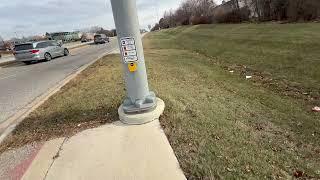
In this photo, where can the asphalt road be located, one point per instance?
(20, 84)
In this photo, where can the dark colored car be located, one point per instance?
(101, 39)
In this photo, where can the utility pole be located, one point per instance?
(16, 35)
(140, 101)
(2, 40)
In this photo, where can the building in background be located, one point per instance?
(37, 38)
(64, 36)
(87, 37)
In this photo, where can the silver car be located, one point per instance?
(38, 51)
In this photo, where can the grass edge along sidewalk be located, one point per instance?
(219, 124)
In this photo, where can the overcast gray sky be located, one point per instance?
(24, 17)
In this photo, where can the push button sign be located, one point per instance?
(129, 50)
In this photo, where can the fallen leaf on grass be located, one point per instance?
(298, 174)
(217, 137)
(230, 170)
(248, 169)
(316, 109)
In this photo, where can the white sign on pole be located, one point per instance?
(130, 59)
(129, 49)
(130, 53)
(127, 41)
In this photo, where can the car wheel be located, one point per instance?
(66, 52)
(47, 57)
(27, 62)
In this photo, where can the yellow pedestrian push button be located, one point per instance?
(132, 67)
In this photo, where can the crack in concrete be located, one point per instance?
(55, 157)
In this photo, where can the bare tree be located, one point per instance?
(95, 29)
(203, 12)
(236, 11)
(184, 12)
(203, 7)
(2, 43)
(303, 10)
(292, 10)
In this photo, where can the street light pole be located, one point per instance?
(139, 98)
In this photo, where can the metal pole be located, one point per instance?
(139, 98)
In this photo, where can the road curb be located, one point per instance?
(80, 46)
(9, 125)
(7, 63)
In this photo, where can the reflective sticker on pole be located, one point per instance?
(132, 67)
(129, 49)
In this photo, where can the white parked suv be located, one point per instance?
(38, 51)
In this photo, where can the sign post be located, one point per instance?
(139, 99)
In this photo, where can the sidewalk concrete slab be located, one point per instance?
(116, 151)
(43, 161)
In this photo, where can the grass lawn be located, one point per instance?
(220, 125)
(283, 57)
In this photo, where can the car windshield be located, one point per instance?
(97, 36)
(22, 47)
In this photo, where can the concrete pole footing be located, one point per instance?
(143, 118)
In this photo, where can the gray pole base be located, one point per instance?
(140, 106)
(137, 119)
